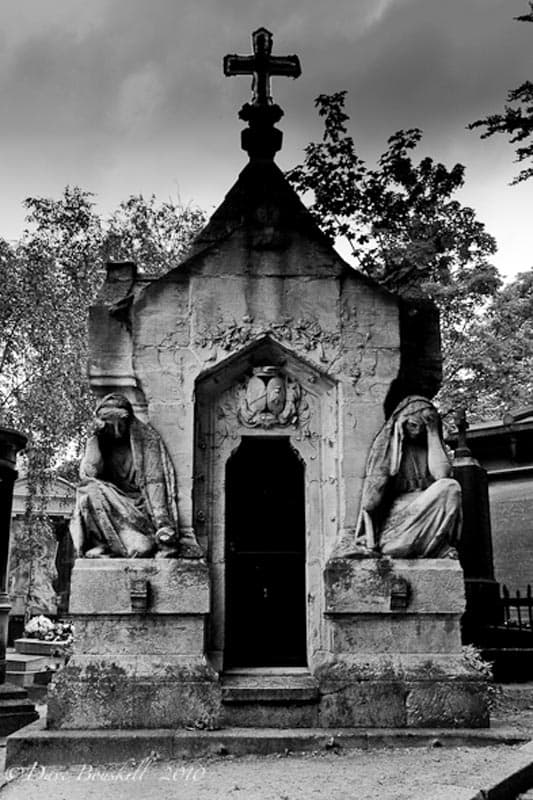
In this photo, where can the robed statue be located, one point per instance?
(126, 502)
(411, 507)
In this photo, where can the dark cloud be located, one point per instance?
(126, 95)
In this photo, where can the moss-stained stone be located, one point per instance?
(100, 694)
(446, 704)
(363, 704)
(363, 586)
(408, 690)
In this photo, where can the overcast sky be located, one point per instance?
(128, 96)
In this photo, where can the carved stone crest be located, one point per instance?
(270, 398)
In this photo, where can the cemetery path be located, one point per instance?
(441, 773)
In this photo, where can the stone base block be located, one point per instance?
(367, 586)
(396, 633)
(398, 704)
(133, 692)
(138, 634)
(446, 704)
(363, 704)
(174, 585)
(416, 691)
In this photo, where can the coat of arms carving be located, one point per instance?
(270, 398)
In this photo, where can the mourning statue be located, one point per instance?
(410, 507)
(126, 502)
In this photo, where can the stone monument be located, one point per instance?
(292, 565)
(16, 710)
(483, 606)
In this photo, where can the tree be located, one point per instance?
(497, 357)
(404, 228)
(516, 120)
(156, 237)
(48, 280)
(403, 225)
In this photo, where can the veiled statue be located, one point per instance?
(411, 507)
(126, 502)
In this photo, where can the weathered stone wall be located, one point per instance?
(340, 324)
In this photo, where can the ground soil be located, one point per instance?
(401, 774)
(430, 772)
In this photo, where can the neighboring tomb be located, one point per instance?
(505, 449)
(41, 586)
(266, 364)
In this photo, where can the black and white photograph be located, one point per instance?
(266, 400)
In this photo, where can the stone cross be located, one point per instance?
(262, 65)
(462, 426)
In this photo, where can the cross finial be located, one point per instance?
(261, 139)
(461, 423)
(262, 65)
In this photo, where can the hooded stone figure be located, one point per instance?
(410, 506)
(126, 503)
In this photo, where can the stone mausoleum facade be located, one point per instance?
(267, 365)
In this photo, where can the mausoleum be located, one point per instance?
(267, 366)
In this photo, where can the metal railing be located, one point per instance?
(517, 609)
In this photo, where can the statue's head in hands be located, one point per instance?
(113, 417)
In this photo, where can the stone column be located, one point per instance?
(475, 550)
(15, 708)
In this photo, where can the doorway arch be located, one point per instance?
(265, 555)
(311, 438)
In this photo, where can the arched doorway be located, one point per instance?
(265, 555)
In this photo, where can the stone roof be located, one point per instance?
(264, 206)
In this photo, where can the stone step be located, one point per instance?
(16, 710)
(269, 688)
(19, 662)
(66, 747)
(14, 705)
(9, 723)
(9, 691)
(264, 699)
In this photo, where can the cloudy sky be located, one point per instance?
(128, 96)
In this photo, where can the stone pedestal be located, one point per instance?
(138, 648)
(483, 606)
(396, 658)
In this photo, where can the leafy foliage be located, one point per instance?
(493, 367)
(516, 121)
(142, 231)
(400, 219)
(404, 227)
(48, 280)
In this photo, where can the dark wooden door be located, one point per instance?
(265, 555)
